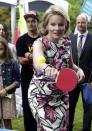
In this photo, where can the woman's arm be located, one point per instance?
(12, 86)
(4, 91)
(38, 53)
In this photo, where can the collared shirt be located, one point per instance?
(83, 39)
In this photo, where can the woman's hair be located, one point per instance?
(6, 33)
(7, 52)
(54, 10)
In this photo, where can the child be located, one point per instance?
(9, 81)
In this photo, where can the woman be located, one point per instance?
(9, 81)
(50, 53)
(4, 33)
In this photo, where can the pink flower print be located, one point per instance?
(52, 87)
(57, 63)
(40, 126)
(45, 41)
(43, 100)
(50, 114)
(63, 129)
(61, 51)
(41, 129)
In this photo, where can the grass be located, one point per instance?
(18, 122)
(78, 116)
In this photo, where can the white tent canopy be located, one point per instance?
(42, 5)
(11, 2)
(62, 3)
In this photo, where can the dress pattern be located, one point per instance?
(49, 105)
(7, 105)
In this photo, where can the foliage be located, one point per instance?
(18, 124)
(40, 15)
(90, 26)
(74, 10)
(5, 16)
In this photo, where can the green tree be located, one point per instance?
(5, 17)
(74, 10)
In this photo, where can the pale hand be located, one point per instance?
(29, 55)
(51, 72)
(2, 92)
(80, 75)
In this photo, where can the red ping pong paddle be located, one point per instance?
(67, 80)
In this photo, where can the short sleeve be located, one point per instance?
(20, 47)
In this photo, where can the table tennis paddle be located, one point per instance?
(66, 80)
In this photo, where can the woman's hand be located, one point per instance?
(65, 40)
(3, 92)
(51, 72)
(80, 75)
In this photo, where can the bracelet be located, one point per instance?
(46, 68)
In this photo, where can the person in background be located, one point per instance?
(9, 81)
(4, 33)
(84, 60)
(51, 52)
(25, 58)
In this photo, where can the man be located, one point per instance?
(24, 53)
(82, 56)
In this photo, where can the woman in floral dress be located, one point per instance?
(50, 105)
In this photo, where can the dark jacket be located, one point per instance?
(10, 73)
(85, 61)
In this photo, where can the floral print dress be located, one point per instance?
(49, 105)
